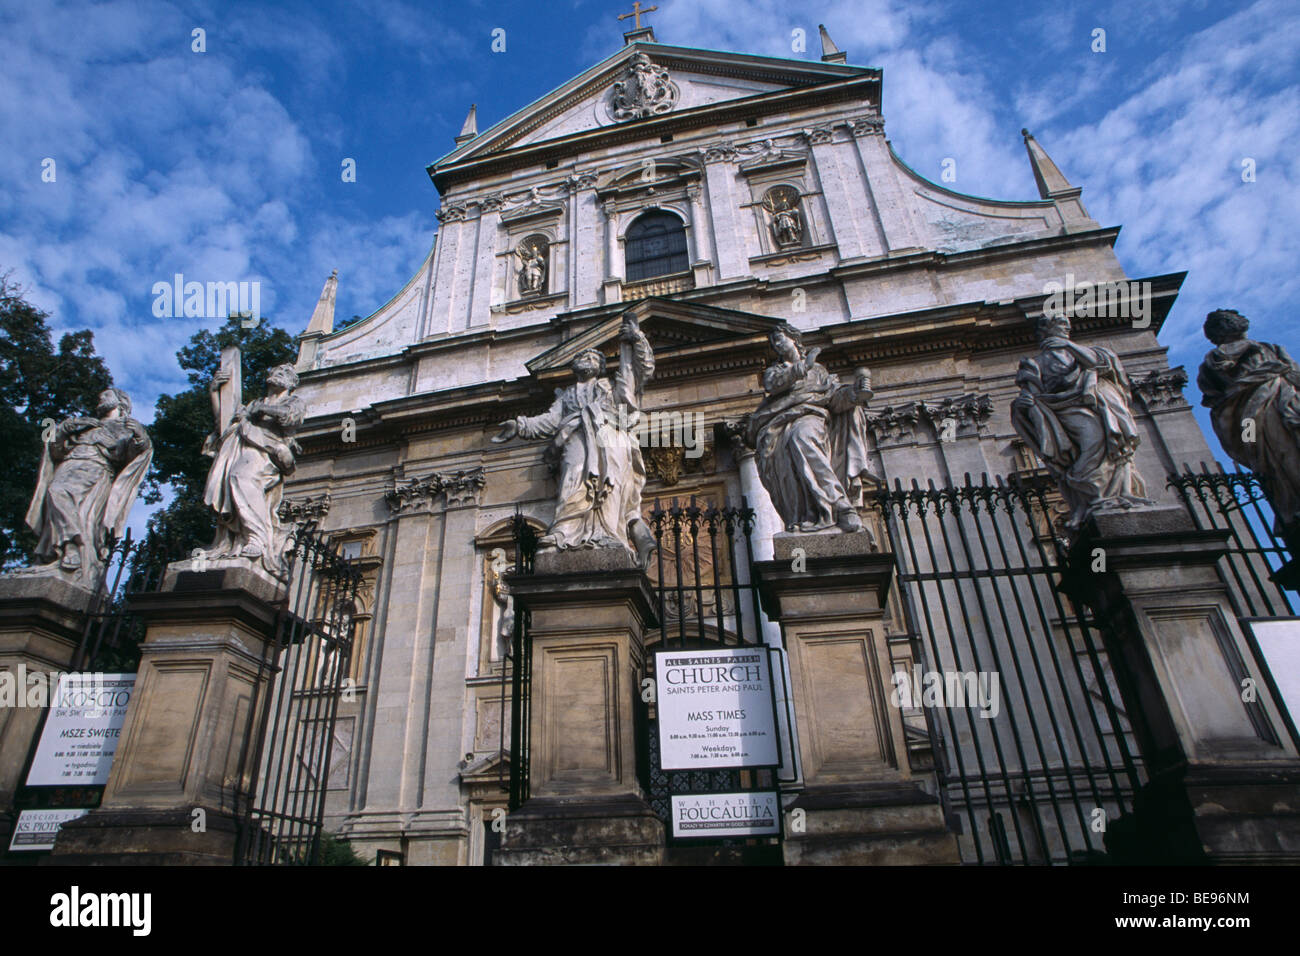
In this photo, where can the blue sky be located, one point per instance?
(225, 164)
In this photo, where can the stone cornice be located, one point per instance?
(855, 89)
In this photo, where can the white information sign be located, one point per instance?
(715, 709)
(36, 829)
(1279, 644)
(726, 814)
(82, 730)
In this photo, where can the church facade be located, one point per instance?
(711, 197)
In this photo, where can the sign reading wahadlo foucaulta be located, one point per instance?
(757, 813)
(715, 709)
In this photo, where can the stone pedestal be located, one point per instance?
(42, 618)
(860, 803)
(590, 610)
(206, 662)
(1224, 775)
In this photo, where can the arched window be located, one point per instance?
(656, 246)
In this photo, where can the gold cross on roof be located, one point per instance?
(636, 12)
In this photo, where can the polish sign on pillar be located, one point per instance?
(715, 709)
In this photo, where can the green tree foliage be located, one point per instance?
(336, 852)
(37, 382)
(184, 420)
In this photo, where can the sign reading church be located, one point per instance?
(715, 709)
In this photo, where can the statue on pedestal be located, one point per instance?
(810, 438)
(253, 452)
(590, 427)
(1253, 392)
(1074, 410)
(91, 470)
(532, 271)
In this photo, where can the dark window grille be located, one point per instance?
(656, 246)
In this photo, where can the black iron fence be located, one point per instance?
(285, 763)
(1235, 502)
(1032, 747)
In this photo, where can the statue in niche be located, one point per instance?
(253, 451)
(644, 90)
(532, 271)
(1251, 389)
(782, 204)
(91, 471)
(810, 438)
(591, 430)
(1075, 411)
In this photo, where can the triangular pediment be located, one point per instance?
(671, 326)
(701, 78)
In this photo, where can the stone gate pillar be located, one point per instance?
(206, 662)
(860, 803)
(590, 610)
(42, 619)
(1224, 777)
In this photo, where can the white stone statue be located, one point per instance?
(787, 224)
(1253, 392)
(253, 452)
(91, 471)
(810, 438)
(1074, 410)
(532, 272)
(590, 428)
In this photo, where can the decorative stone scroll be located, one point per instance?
(1161, 388)
(643, 91)
(307, 509)
(420, 494)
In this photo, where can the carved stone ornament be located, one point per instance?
(895, 423)
(306, 509)
(452, 212)
(420, 494)
(1161, 388)
(870, 125)
(819, 135)
(971, 409)
(721, 153)
(644, 90)
(1075, 411)
(90, 473)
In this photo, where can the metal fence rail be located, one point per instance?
(1235, 502)
(285, 764)
(1028, 770)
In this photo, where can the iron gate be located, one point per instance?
(286, 756)
(1031, 770)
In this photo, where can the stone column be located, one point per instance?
(206, 664)
(860, 803)
(701, 261)
(42, 618)
(613, 284)
(485, 267)
(590, 610)
(1224, 778)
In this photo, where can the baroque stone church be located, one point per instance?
(711, 197)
